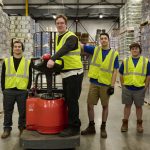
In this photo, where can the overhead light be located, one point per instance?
(101, 16)
(54, 16)
(13, 15)
(137, 1)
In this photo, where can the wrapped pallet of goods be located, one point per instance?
(145, 37)
(23, 28)
(130, 18)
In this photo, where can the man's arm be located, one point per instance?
(147, 81)
(3, 77)
(147, 75)
(114, 76)
(30, 76)
(70, 44)
(121, 79)
(121, 70)
(110, 90)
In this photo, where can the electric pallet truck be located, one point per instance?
(46, 115)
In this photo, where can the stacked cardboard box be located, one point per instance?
(145, 11)
(145, 36)
(145, 40)
(4, 37)
(4, 34)
(145, 28)
(23, 28)
(133, 13)
(114, 39)
(130, 18)
(137, 34)
(126, 39)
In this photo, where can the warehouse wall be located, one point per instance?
(90, 25)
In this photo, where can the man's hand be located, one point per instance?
(50, 63)
(110, 90)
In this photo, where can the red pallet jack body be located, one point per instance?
(46, 116)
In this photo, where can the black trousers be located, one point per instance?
(72, 88)
(10, 97)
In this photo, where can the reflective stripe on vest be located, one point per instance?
(135, 76)
(16, 75)
(17, 79)
(72, 60)
(135, 73)
(106, 71)
(93, 62)
(63, 42)
(99, 69)
(110, 64)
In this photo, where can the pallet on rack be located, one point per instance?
(128, 29)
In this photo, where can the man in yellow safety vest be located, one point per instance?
(102, 73)
(68, 48)
(16, 78)
(134, 77)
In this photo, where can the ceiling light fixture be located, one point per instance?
(101, 16)
(54, 16)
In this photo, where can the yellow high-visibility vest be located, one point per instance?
(102, 70)
(19, 78)
(135, 75)
(72, 60)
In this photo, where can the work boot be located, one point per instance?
(89, 130)
(139, 126)
(6, 133)
(103, 131)
(124, 127)
(69, 132)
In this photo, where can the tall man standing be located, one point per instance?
(102, 73)
(16, 78)
(68, 48)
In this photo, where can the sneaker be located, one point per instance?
(5, 134)
(69, 132)
(89, 130)
(103, 131)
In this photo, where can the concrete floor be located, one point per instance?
(115, 141)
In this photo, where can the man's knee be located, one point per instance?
(105, 107)
(90, 107)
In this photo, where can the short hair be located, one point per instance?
(18, 42)
(136, 45)
(104, 34)
(62, 16)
